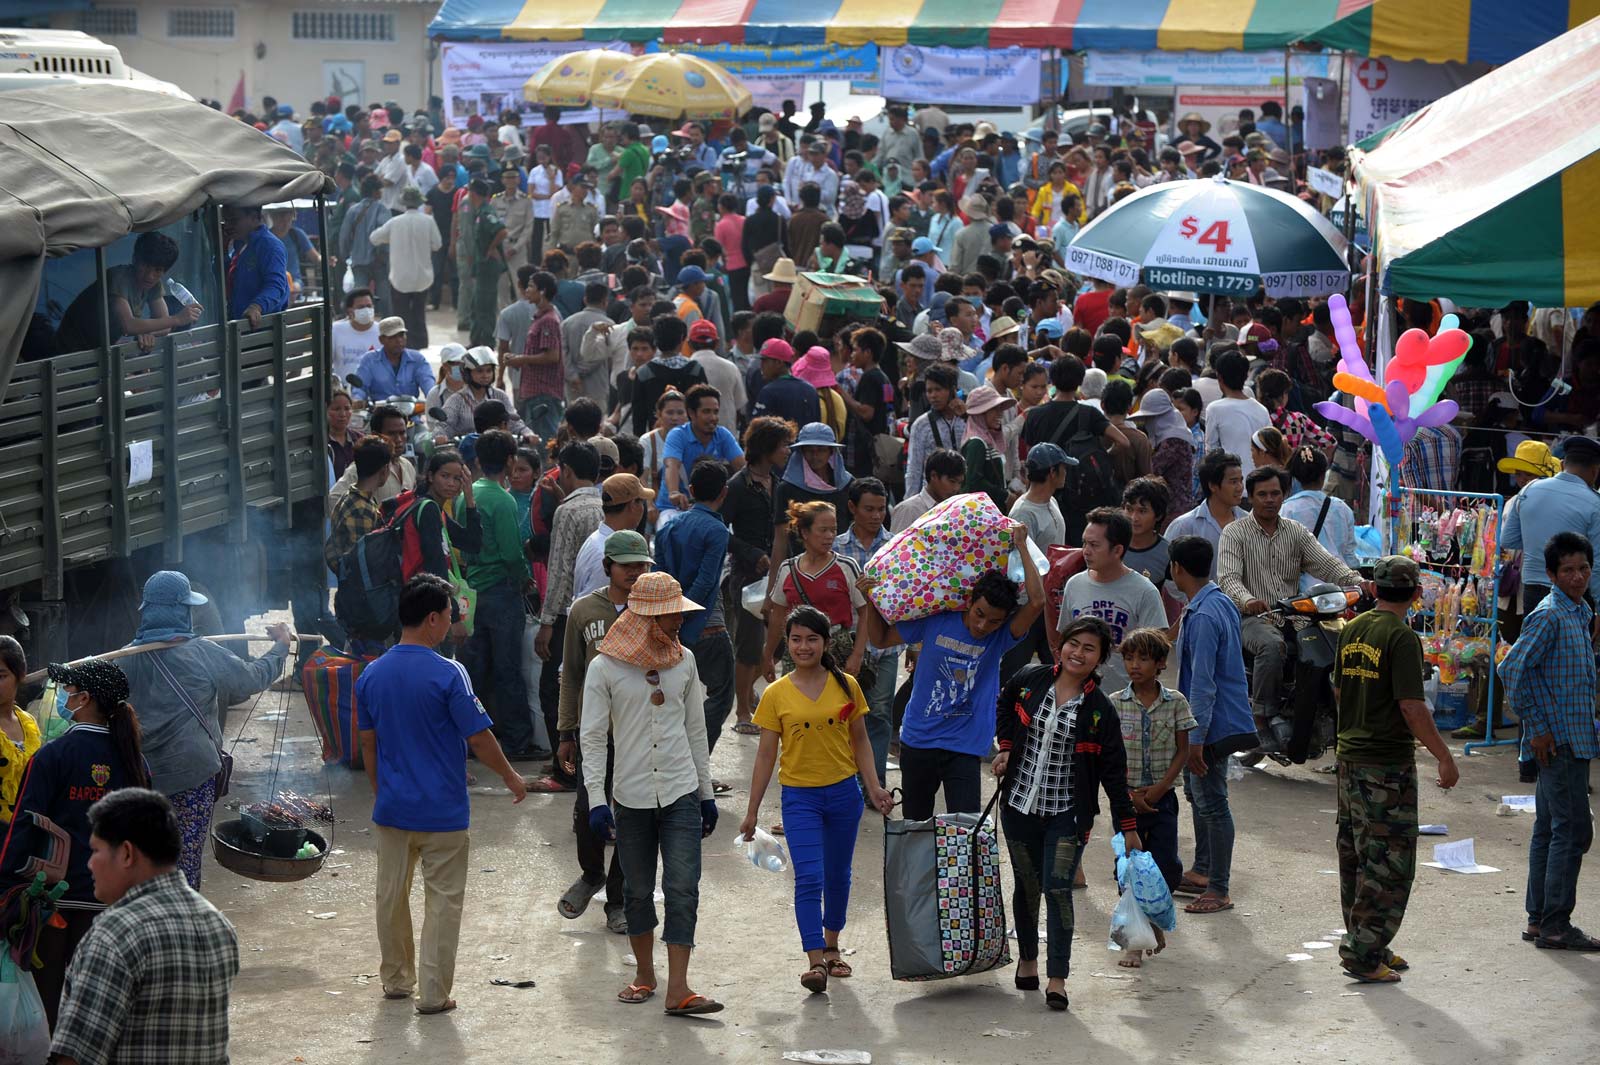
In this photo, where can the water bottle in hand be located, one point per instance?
(765, 852)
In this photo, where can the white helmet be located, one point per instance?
(449, 353)
(480, 356)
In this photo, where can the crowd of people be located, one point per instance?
(641, 503)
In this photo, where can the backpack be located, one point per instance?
(1093, 482)
(367, 601)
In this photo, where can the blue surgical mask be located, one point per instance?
(455, 373)
(61, 704)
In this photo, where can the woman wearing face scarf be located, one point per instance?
(1172, 448)
(985, 444)
(181, 692)
(861, 226)
(98, 754)
(643, 696)
(815, 471)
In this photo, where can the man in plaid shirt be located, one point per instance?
(149, 984)
(357, 513)
(1550, 682)
(540, 387)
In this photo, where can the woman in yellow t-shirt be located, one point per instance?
(816, 714)
(19, 733)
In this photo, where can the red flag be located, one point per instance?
(236, 101)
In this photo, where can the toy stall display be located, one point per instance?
(1455, 538)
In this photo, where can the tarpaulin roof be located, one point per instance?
(1493, 192)
(1443, 31)
(82, 166)
(1144, 25)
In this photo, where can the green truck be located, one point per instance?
(205, 450)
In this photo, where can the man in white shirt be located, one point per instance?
(813, 166)
(900, 143)
(391, 169)
(355, 334)
(642, 692)
(721, 374)
(418, 173)
(412, 238)
(1231, 420)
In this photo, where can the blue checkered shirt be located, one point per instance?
(1549, 674)
(849, 545)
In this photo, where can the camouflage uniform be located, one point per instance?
(1377, 842)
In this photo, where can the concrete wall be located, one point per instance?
(291, 70)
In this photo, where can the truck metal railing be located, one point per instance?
(113, 450)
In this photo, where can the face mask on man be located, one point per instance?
(365, 315)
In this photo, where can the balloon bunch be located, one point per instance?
(1390, 414)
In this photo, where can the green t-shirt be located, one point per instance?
(502, 558)
(634, 163)
(1379, 664)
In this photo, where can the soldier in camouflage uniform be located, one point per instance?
(1378, 676)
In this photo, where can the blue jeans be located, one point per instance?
(713, 662)
(1044, 851)
(1159, 833)
(1562, 832)
(880, 722)
(673, 831)
(820, 825)
(1213, 825)
(493, 656)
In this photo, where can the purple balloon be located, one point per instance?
(1336, 412)
(1399, 398)
(1440, 413)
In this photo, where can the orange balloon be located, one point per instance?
(1351, 385)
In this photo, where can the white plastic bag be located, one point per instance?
(1130, 928)
(349, 278)
(764, 851)
(24, 1032)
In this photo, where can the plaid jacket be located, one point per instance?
(355, 515)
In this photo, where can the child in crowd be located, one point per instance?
(1155, 732)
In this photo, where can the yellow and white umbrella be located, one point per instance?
(570, 80)
(670, 85)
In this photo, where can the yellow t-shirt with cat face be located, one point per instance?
(815, 734)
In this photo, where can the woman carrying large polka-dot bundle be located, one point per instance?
(815, 715)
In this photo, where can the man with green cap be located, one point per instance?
(626, 558)
(1378, 678)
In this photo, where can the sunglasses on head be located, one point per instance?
(653, 678)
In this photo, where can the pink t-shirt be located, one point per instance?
(729, 232)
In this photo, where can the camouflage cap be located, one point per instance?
(1396, 571)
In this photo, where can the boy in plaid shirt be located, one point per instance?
(1155, 732)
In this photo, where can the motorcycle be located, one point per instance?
(1305, 722)
(425, 433)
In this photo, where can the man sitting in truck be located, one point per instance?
(258, 266)
(135, 297)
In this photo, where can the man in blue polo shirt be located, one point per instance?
(258, 279)
(418, 717)
(394, 369)
(1563, 503)
(696, 438)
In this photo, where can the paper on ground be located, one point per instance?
(1458, 857)
(1433, 830)
(1519, 802)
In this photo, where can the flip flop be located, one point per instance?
(548, 785)
(837, 966)
(747, 728)
(501, 981)
(719, 788)
(815, 979)
(1382, 975)
(1189, 887)
(634, 994)
(1397, 963)
(1208, 904)
(577, 898)
(1529, 937)
(694, 1006)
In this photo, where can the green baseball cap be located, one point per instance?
(627, 546)
(1396, 571)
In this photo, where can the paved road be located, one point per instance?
(1225, 991)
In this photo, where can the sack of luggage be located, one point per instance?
(942, 897)
(329, 680)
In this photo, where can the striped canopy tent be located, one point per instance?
(1445, 31)
(1493, 193)
(1143, 25)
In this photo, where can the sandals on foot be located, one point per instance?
(444, 1007)
(747, 728)
(1397, 963)
(1381, 975)
(694, 1006)
(634, 994)
(837, 966)
(572, 904)
(1209, 904)
(1190, 887)
(815, 979)
(1571, 939)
